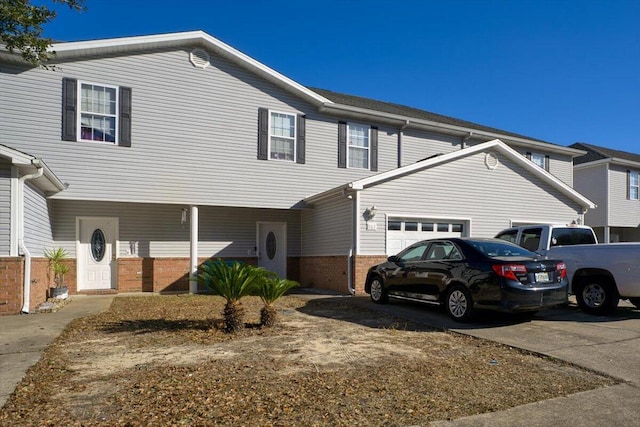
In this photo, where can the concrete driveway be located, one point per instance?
(609, 345)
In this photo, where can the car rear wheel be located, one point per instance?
(459, 304)
(377, 291)
(597, 296)
(635, 301)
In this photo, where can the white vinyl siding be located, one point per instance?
(622, 211)
(326, 229)
(418, 145)
(5, 208)
(38, 233)
(592, 183)
(149, 230)
(465, 189)
(194, 135)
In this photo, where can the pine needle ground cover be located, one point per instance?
(166, 360)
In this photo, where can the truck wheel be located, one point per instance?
(635, 301)
(597, 296)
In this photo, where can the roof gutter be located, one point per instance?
(21, 245)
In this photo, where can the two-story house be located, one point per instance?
(610, 178)
(144, 156)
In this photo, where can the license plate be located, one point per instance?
(542, 276)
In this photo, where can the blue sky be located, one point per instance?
(558, 70)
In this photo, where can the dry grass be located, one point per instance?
(166, 361)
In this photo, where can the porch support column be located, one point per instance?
(606, 234)
(193, 279)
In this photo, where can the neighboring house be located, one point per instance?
(163, 151)
(610, 179)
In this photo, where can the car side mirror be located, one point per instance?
(393, 258)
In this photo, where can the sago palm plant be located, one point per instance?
(270, 289)
(232, 281)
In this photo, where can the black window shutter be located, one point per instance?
(125, 117)
(342, 144)
(628, 185)
(546, 163)
(300, 141)
(69, 105)
(528, 155)
(263, 133)
(374, 148)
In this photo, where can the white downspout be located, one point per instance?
(21, 245)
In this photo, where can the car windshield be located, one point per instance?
(500, 249)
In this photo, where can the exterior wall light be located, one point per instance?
(370, 213)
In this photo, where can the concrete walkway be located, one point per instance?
(23, 337)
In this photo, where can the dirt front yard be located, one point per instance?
(164, 360)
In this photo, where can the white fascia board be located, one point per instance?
(496, 145)
(625, 162)
(127, 44)
(17, 158)
(405, 121)
(591, 164)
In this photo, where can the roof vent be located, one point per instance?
(199, 58)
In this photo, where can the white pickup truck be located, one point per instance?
(599, 274)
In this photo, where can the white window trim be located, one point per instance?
(79, 113)
(295, 135)
(637, 187)
(349, 124)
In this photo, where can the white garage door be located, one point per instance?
(403, 232)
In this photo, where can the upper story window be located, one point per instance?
(96, 112)
(634, 185)
(282, 136)
(539, 159)
(358, 143)
(357, 146)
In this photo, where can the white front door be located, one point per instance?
(96, 253)
(272, 247)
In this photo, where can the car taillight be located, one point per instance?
(509, 271)
(561, 269)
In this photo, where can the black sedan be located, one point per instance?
(463, 274)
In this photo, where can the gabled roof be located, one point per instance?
(596, 153)
(495, 145)
(409, 112)
(337, 104)
(28, 164)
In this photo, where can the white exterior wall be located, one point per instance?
(622, 212)
(418, 145)
(5, 208)
(326, 229)
(592, 183)
(194, 134)
(465, 189)
(147, 230)
(38, 234)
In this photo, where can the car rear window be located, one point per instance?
(499, 249)
(572, 236)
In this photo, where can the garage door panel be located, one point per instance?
(403, 232)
